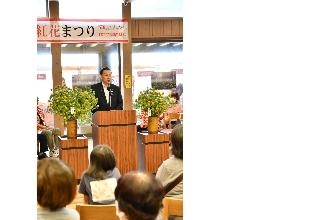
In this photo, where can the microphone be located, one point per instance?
(110, 91)
(110, 94)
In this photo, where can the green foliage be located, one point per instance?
(72, 103)
(154, 101)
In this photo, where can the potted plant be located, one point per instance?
(72, 104)
(155, 103)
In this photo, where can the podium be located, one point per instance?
(117, 129)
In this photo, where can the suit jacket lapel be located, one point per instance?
(103, 98)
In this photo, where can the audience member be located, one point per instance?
(98, 182)
(63, 82)
(179, 90)
(176, 108)
(56, 188)
(51, 133)
(138, 196)
(143, 119)
(41, 138)
(171, 168)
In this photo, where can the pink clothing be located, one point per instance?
(177, 108)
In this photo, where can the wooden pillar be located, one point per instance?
(127, 60)
(56, 62)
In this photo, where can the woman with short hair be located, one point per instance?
(56, 188)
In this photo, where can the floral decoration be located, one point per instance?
(153, 101)
(72, 103)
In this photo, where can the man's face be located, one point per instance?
(106, 77)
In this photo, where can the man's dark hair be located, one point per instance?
(104, 68)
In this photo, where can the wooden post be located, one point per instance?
(56, 62)
(127, 60)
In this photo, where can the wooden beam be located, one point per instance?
(157, 29)
(56, 62)
(127, 60)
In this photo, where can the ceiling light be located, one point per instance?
(150, 44)
(177, 44)
(136, 44)
(109, 44)
(78, 45)
(164, 44)
(64, 45)
(47, 45)
(93, 45)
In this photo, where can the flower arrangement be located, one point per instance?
(153, 102)
(73, 103)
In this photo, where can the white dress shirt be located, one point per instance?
(106, 92)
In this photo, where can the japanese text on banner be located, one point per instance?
(66, 30)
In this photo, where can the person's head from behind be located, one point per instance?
(139, 196)
(56, 184)
(177, 141)
(102, 159)
(105, 74)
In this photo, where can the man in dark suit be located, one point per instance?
(108, 95)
